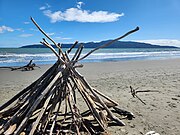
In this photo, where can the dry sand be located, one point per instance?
(162, 110)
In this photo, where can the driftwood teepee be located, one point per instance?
(50, 105)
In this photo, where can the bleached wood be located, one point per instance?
(113, 117)
(24, 122)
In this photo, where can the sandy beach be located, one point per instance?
(162, 109)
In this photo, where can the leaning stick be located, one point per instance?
(73, 89)
(41, 113)
(53, 50)
(16, 97)
(11, 110)
(90, 103)
(46, 119)
(15, 118)
(107, 103)
(106, 97)
(113, 117)
(69, 50)
(72, 93)
(58, 108)
(77, 52)
(42, 30)
(22, 110)
(26, 89)
(73, 114)
(66, 107)
(24, 122)
(49, 45)
(129, 115)
(47, 36)
(107, 44)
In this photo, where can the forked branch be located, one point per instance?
(53, 50)
(47, 36)
(134, 93)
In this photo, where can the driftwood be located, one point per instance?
(135, 91)
(50, 105)
(28, 67)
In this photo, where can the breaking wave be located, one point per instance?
(17, 59)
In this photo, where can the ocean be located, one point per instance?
(21, 56)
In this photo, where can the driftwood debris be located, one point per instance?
(135, 91)
(50, 104)
(28, 67)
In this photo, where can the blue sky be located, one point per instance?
(89, 20)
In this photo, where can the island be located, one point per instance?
(118, 44)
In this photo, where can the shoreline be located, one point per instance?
(21, 57)
(162, 109)
(96, 62)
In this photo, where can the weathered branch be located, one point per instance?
(107, 44)
(24, 122)
(47, 36)
(77, 53)
(29, 66)
(113, 117)
(29, 87)
(54, 51)
(134, 93)
(69, 50)
(42, 31)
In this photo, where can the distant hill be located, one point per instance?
(118, 44)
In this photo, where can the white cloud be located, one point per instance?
(66, 38)
(79, 15)
(26, 22)
(5, 28)
(79, 4)
(165, 42)
(45, 7)
(42, 8)
(50, 34)
(33, 29)
(26, 35)
(19, 29)
(63, 38)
